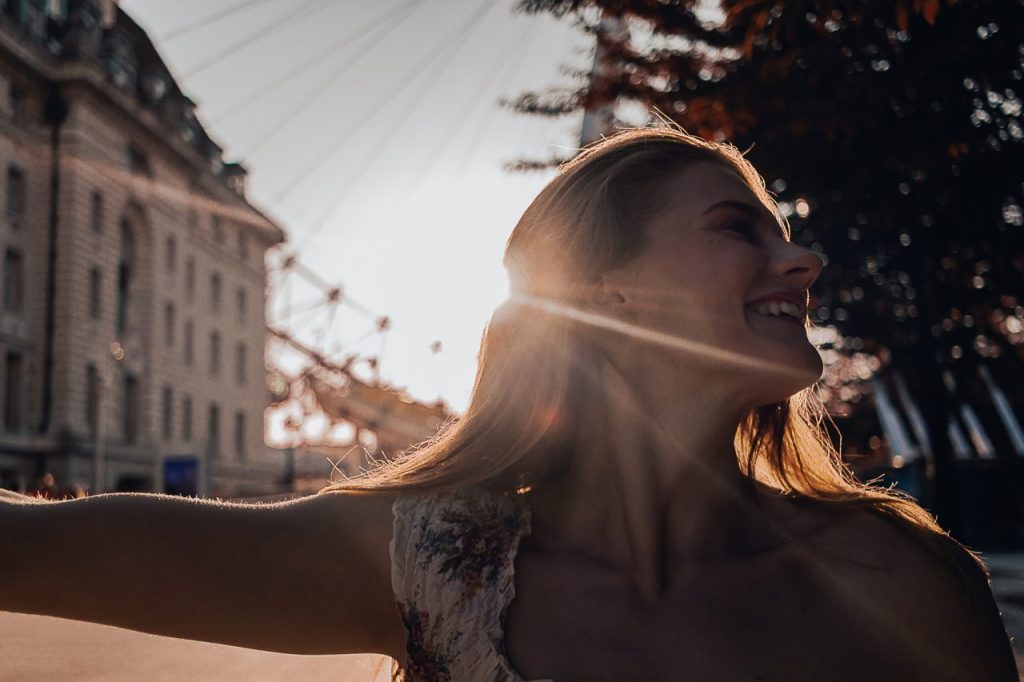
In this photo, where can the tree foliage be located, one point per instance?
(892, 131)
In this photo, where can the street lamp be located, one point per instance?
(105, 379)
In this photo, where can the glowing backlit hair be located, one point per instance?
(532, 373)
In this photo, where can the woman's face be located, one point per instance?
(709, 254)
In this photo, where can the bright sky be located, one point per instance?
(372, 132)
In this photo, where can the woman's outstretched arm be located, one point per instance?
(308, 576)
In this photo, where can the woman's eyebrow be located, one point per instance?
(755, 213)
(750, 210)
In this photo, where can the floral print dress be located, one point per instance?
(452, 568)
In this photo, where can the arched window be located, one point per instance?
(124, 274)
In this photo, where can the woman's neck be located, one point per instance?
(653, 486)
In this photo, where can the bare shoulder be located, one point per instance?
(366, 516)
(362, 523)
(364, 520)
(933, 587)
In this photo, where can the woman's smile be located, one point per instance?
(783, 319)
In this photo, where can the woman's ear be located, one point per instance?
(603, 294)
(613, 297)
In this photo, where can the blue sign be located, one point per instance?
(181, 475)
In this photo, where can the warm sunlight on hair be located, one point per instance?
(533, 360)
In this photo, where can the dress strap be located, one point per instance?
(452, 568)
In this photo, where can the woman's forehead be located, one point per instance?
(702, 186)
(707, 182)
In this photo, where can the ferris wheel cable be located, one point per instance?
(323, 299)
(436, 154)
(334, 48)
(331, 360)
(293, 321)
(432, 158)
(302, 270)
(282, 267)
(362, 338)
(474, 148)
(336, 146)
(280, 23)
(290, 317)
(331, 317)
(185, 29)
(425, 83)
(324, 86)
(289, 320)
(312, 277)
(359, 308)
(297, 328)
(305, 307)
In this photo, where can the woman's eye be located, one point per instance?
(741, 226)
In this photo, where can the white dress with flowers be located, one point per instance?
(452, 568)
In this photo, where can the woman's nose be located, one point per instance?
(800, 265)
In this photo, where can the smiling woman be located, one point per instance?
(646, 359)
(641, 487)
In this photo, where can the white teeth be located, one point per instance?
(779, 308)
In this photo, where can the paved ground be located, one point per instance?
(36, 648)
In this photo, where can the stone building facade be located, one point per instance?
(132, 275)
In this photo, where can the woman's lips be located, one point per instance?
(782, 317)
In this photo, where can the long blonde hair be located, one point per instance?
(532, 365)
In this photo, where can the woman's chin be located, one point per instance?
(787, 376)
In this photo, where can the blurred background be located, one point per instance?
(249, 246)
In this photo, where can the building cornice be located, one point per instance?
(33, 63)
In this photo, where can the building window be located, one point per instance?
(241, 303)
(124, 275)
(169, 324)
(214, 353)
(138, 162)
(213, 431)
(34, 18)
(15, 194)
(16, 100)
(189, 343)
(217, 226)
(240, 434)
(167, 413)
(190, 279)
(96, 213)
(215, 290)
(121, 61)
(12, 391)
(95, 293)
(92, 399)
(14, 281)
(186, 418)
(130, 410)
(240, 361)
(171, 254)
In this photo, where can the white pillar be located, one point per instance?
(1005, 411)
(899, 440)
(600, 121)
